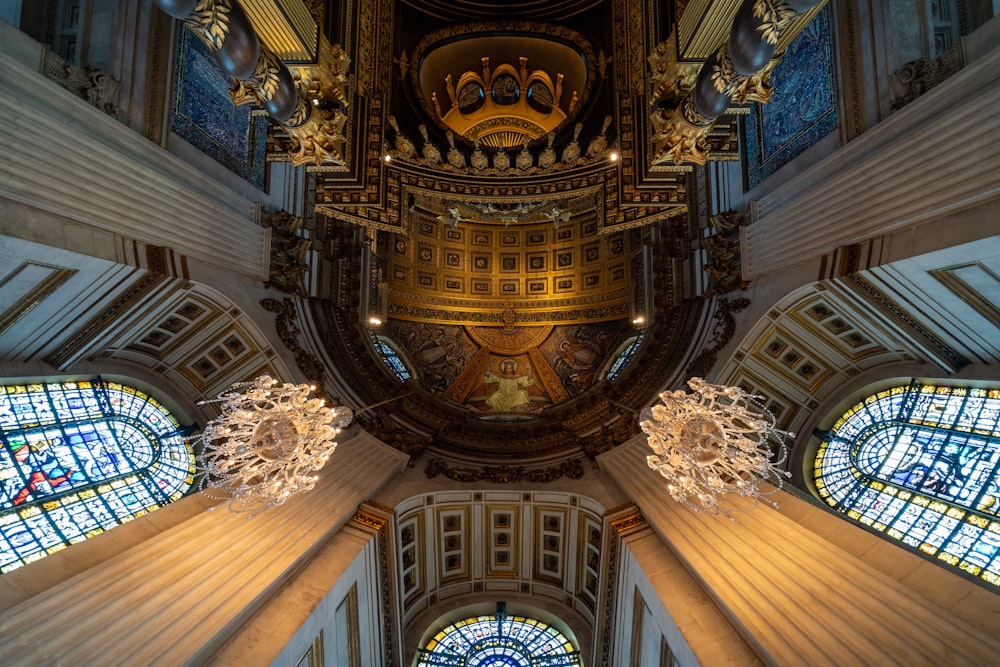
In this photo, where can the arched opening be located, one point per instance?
(498, 640)
(79, 458)
(920, 463)
(391, 356)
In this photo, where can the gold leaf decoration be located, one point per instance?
(723, 71)
(210, 21)
(774, 16)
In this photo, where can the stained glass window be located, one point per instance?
(921, 463)
(78, 458)
(625, 356)
(499, 640)
(390, 356)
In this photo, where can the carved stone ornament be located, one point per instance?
(315, 129)
(669, 79)
(320, 140)
(504, 474)
(289, 264)
(677, 140)
(757, 87)
(327, 81)
(722, 250)
(918, 76)
(96, 86)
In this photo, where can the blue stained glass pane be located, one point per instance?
(921, 463)
(78, 458)
(624, 357)
(500, 641)
(390, 357)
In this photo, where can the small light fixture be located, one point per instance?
(639, 321)
(613, 156)
(388, 158)
(374, 321)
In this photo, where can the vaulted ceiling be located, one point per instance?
(516, 235)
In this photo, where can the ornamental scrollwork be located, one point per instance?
(505, 474)
(676, 140)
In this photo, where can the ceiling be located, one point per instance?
(513, 240)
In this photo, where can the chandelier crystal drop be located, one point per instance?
(267, 443)
(712, 443)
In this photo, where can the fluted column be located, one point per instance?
(62, 156)
(176, 598)
(935, 158)
(798, 599)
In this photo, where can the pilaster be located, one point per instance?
(67, 158)
(795, 597)
(177, 597)
(935, 158)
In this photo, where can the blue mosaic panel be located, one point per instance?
(803, 109)
(205, 116)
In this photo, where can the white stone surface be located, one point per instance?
(803, 599)
(65, 157)
(176, 598)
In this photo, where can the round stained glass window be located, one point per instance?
(470, 98)
(498, 640)
(506, 89)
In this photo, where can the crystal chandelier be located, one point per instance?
(712, 443)
(267, 443)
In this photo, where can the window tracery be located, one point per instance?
(921, 464)
(390, 356)
(624, 356)
(499, 640)
(78, 458)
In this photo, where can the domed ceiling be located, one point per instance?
(508, 248)
(502, 84)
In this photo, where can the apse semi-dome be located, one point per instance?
(502, 83)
